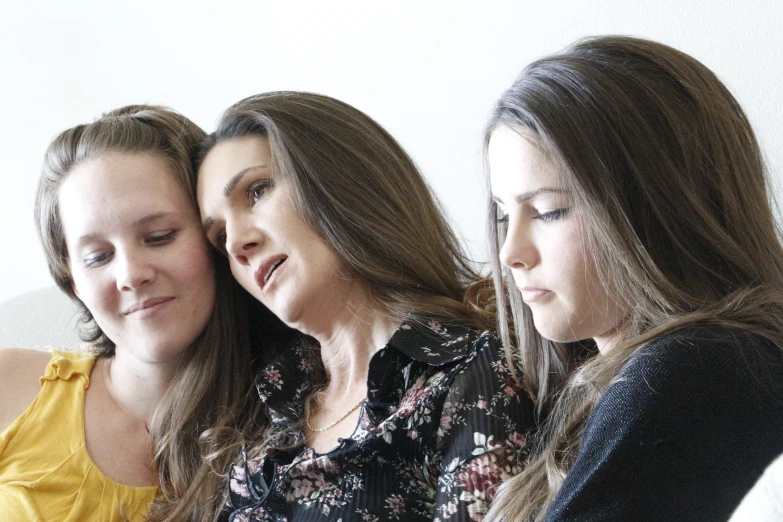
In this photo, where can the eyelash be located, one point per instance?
(151, 241)
(258, 189)
(546, 217)
(552, 215)
(163, 239)
(95, 261)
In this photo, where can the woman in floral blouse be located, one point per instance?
(399, 406)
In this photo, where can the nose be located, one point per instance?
(242, 239)
(133, 270)
(519, 249)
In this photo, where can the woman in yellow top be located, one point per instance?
(106, 435)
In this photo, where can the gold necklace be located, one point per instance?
(332, 425)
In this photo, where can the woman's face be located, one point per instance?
(249, 215)
(545, 246)
(137, 254)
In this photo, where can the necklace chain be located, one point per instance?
(332, 425)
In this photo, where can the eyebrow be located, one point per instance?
(229, 186)
(533, 193)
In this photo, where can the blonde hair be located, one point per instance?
(212, 388)
(665, 167)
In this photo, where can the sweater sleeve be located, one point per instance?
(683, 433)
(482, 436)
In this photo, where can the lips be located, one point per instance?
(147, 305)
(531, 294)
(266, 269)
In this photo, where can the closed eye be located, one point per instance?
(161, 239)
(97, 259)
(552, 215)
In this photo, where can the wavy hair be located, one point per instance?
(678, 215)
(210, 390)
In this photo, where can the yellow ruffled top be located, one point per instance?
(46, 473)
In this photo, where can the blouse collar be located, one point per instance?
(285, 384)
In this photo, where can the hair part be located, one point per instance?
(674, 194)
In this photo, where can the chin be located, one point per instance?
(290, 314)
(557, 333)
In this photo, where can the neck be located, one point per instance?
(348, 344)
(136, 386)
(608, 341)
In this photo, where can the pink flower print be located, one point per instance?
(272, 375)
(448, 509)
(445, 422)
(518, 439)
(435, 326)
(481, 477)
(319, 482)
(302, 488)
(411, 398)
(396, 504)
(511, 387)
(413, 434)
(482, 404)
(329, 466)
(481, 466)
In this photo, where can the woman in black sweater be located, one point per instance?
(642, 265)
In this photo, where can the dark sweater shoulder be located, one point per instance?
(702, 360)
(689, 425)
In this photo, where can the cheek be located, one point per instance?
(571, 263)
(201, 271)
(98, 295)
(87, 288)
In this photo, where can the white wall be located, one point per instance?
(427, 70)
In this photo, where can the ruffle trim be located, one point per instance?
(69, 365)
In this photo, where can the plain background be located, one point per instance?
(429, 71)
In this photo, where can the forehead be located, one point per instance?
(518, 164)
(117, 186)
(226, 160)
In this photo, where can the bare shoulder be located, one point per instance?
(20, 371)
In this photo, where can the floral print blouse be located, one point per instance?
(444, 424)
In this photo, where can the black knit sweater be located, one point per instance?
(685, 432)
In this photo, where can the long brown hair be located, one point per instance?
(212, 389)
(357, 188)
(666, 169)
